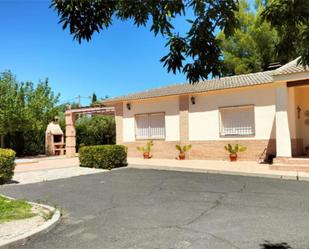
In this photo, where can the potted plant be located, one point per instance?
(146, 150)
(182, 150)
(233, 150)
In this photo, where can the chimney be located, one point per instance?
(274, 65)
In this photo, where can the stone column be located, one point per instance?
(184, 119)
(283, 137)
(119, 122)
(70, 134)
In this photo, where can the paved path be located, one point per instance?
(40, 169)
(45, 163)
(148, 209)
(52, 174)
(49, 168)
(244, 168)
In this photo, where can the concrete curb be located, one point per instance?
(44, 228)
(297, 175)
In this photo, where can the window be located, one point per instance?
(150, 126)
(237, 121)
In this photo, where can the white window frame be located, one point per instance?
(149, 127)
(221, 114)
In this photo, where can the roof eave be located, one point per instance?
(115, 101)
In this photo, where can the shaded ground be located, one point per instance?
(131, 208)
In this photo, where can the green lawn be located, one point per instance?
(14, 210)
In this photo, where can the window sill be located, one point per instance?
(237, 136)
(147, 139)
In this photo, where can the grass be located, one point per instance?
(14, 210)
(47, 216)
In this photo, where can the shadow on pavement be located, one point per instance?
(12, 182)
(281, 245)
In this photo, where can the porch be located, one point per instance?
(292, 125)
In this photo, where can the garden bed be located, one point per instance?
(19, 218)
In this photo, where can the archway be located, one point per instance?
(70, 131)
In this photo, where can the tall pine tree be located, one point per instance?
(252, 47)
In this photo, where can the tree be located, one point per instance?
(25, 111)
(11, 104)
(252, 47)
(197, 54)
(95, 130)
(291, 20)
(94, 98)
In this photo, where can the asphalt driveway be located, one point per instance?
(148, 209)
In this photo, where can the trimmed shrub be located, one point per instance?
(7, 165)
(103, 156)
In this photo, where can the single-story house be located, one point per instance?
(268, 112)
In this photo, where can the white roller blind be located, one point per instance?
(142, 127)
(150, 126)
(157, 125)
(237, 121)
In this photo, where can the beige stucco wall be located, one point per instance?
(275, 109)
(302, 100)
(292, 112)
(283, 135)
(298, 131)
(204, 115)
(168, 105)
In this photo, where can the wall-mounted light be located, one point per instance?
(193, 100)
(128, 106)
(298, 111)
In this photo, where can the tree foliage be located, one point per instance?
(96, 130)
(94, 99)
(291, 20)
(196, 54)
(252, 47)
(25, 111)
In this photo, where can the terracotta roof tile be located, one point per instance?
(291, 67)
(202, 86)
(236, 81)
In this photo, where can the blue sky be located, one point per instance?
(117, 61)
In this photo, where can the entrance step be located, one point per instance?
(292, 160)
(291, 164)
(300, 168)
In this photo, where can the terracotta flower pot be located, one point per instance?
(182, 156)
(233, 157)
(146, 155)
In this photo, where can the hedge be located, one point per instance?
(103, 156)
(7, 165)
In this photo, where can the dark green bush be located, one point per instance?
(7, 165)
(26, 143)
(96, 130)
(103, 156)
